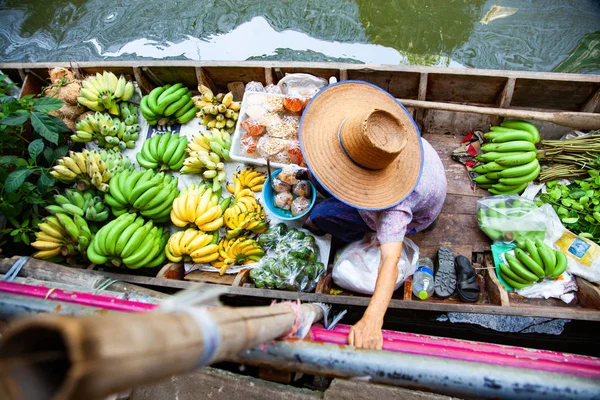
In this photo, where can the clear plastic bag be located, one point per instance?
(510, 218)
(301, 85)
(357, 265)
(291, 261)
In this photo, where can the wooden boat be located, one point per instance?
(475, 98)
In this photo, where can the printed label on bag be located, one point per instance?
(159, 130)
(579, 248)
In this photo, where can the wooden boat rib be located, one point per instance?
(457, 225)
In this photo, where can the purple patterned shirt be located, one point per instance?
(419, 209)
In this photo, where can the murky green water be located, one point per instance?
(537, 35)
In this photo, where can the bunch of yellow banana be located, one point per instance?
(218, 111)
(200, 206)
(194, 245)
(237, 251)
(90, 168)
(62, 234)
(248, 178)
(104, 91)
(245, 214)
(205, 152)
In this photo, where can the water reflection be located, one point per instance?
(425, 32)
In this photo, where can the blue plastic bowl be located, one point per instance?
(269, 200)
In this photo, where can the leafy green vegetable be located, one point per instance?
(577, 205)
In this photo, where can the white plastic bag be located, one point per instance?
(562, 288)
(357, 265)
(583, 255)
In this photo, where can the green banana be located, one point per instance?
(520, 170)
(170, 148)
(519, 269)
(518, 180)
(184, 109)
(115, 188)
(548, 257)
(126, 236)
(518, 159)
(162, 145)
(524, 126)
(506, 271)
(188, 116)
(178, 153)
(144, 162)
(136, 239)
(169, 90)
(561, 264)
(170, 99)
(533, 252)
(153, 146)
(512, 136)
(175, 106)
(514, 284)
(94, 257)
(518, 145)
(145, 197)
(116, 231)
(143, 250)
(529, 263)
(153, 98)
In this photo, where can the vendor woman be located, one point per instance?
(363, 148)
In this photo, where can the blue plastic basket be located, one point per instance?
(269, 200)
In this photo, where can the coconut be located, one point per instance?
(56, 75)
(69, 93)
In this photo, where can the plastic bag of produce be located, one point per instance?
(291, 261)
(583, 255)
(509, 218)
(357, 265)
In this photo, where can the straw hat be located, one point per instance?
(361, 145)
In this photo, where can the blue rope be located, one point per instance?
(15, 269)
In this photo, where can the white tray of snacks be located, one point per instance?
(268, 127)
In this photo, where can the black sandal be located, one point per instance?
(468, 289)
(445, 276)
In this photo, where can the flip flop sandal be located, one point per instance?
(468, 289)
(445, 276)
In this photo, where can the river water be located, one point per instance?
(533, 35)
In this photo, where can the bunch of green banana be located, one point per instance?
(104, 91)
(108, 132)
(218, 111)
(166, 151)
(85, 205)
(90, 168)
(524, 269)
(62, 234)
(129, 241)
(510, 161)
(168, 104)
(149, 193)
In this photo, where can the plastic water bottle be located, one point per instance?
(422, 284)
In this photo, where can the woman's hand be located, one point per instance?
(366, 333)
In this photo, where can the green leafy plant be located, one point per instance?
(30, 143)
(577, 204)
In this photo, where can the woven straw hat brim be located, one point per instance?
(324, 156)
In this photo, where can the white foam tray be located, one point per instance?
(236, 152)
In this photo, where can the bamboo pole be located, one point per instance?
(576, 120)
(91, 357)
(47, 271)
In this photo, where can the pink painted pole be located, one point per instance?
(81, 298)
(478, 352)
(393, 336)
